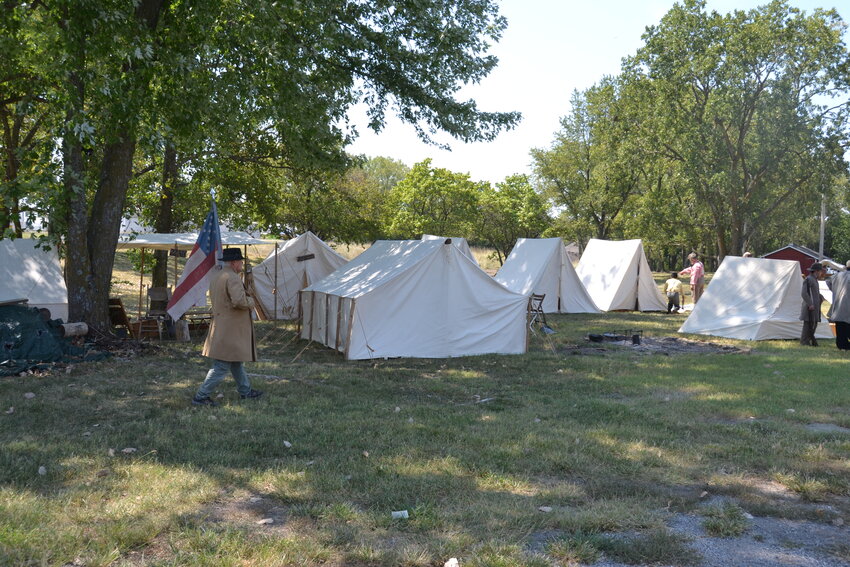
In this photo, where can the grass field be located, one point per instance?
(550, 458)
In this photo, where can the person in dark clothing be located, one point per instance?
(810, 309)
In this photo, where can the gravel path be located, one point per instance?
(769, 542)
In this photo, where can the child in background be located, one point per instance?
(673, 287)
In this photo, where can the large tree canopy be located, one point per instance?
(721, 132)
(590, 172)
(752, 107)
(433, 200)
(511, 210)
(186, 76)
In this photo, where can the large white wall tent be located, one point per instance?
(414, 298)
(617, 276)
(542, 266)
(754, 299)
(460, 243)
(300, 262)
(34, 274)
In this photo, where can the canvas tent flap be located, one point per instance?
(617, 276)
(417, 299)
(752, 299)
(28, 272)
(300, 262)
(542, 266)
(458, 241)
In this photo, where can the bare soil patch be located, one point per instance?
(248, 511)
(667, 346)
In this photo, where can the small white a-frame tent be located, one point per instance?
(753, 299)
(300, 262)
(459, 242)
(34, 274)
(542, 266)
(617, 276)
(414, 298)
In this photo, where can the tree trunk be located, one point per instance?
(722, 248)
(11, 213)
(164, 215)
(77, 261)
(105, 223)
(91, 239)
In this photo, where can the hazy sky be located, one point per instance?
(550, 49)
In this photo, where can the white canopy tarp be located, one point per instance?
(182, 240)
(414, 298)
(34, 274)
(300, 262)
(754, 299)
(542, 266)
(616, 274)
(458, 241)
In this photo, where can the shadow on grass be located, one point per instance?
(473, 448)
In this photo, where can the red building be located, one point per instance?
(806, 256)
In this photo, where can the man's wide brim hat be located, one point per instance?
(231, 255)
(816, 267)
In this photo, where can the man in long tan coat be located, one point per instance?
(230, 340)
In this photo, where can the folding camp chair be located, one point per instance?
(536, 314)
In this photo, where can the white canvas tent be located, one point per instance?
(34, 274)
(542, 266)
(413, 298)
(617, 276)
(300, 262)
(753, 299)
(460, 242)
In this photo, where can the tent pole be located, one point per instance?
(299, 323)
(338, 321)
(247, 264)
(141, 283)
(327, 319)
(351, 313)
(274, 291)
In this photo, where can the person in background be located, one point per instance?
(673, 288)
(839, 310)
(230, 340)
(810, 309)
(697, 272)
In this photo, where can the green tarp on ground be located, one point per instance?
(29, 342)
